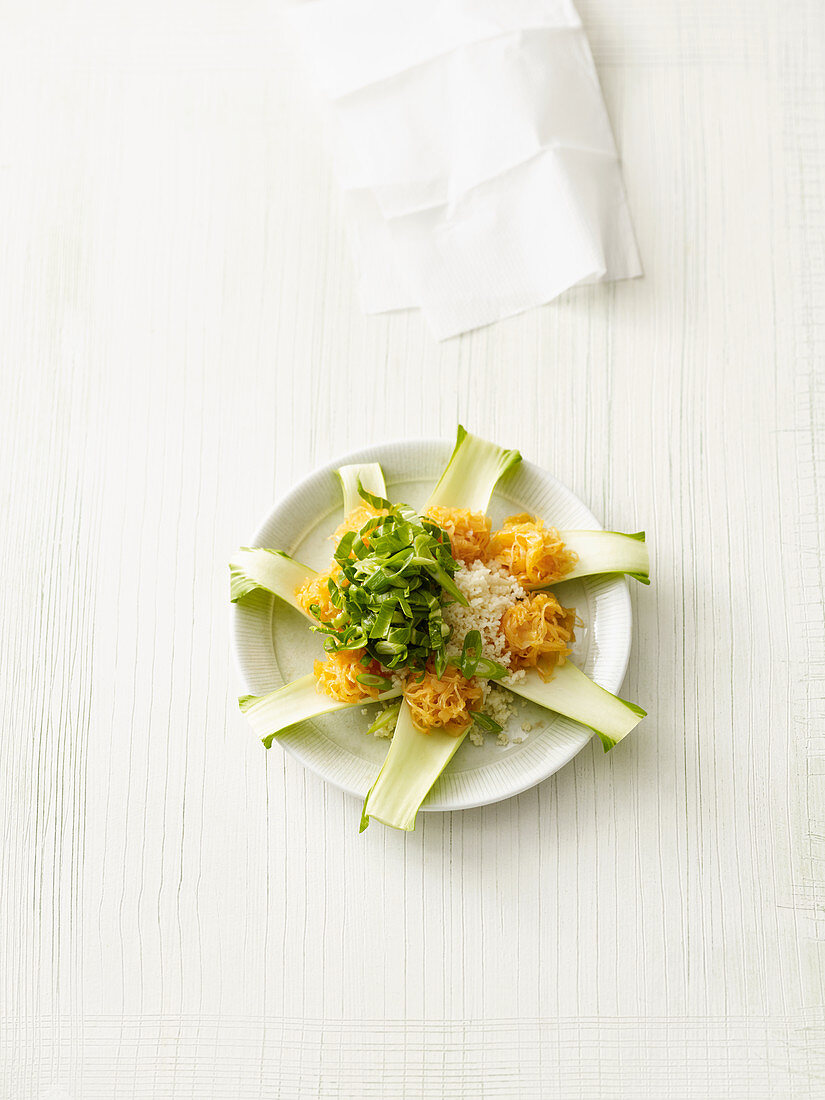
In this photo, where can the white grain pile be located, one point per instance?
(490, 590)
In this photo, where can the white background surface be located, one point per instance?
(183, 915)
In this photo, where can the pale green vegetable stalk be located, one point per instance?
(271, 570)
(413, 764)
(470, 476)
(371, 477)
(273, 714)
(576, 696)
(607, 552)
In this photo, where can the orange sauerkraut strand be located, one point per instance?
(469, 531)
(316, 591)
(336, 676)
(356, 520)
(538, 632)
(532, 553)
(443, 702)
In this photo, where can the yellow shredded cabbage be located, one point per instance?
(356, 520)
(315, 592)
(443, 702)
(336, 676)
(469, 531)
(539, 632)
(532, 553)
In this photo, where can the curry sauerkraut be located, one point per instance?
(337, 676)
(314, 593)
(443, 702)
(469, 532)
(533, 553)
(356, 520)
(538, 632)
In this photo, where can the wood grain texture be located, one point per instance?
(182, 915)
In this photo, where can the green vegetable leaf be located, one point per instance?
(273, 571)
(472, 472)
(272, 715)
(603, 552)
(414, 762)
(485, 722)
(570, 692)
(368, 473)
(396, 572)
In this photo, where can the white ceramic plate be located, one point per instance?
(274, 645)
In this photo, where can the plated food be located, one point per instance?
(438, 617)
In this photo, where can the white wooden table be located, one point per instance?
(183, 915)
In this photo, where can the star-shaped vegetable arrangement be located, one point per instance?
(432, 614)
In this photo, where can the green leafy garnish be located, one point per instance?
(471, 663)
(393, 577)
(485, 722)
(470, 654)
(490, 670)
(386, 719)
(368, 679)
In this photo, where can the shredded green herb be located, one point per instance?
(395, 574)
(485, 722)
(471, 663)
(386, 719)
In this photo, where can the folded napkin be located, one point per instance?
(479, 169)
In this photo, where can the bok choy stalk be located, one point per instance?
(474, 469)
(371, 477)
(272, 570)
(273, 714)
(606, 552)
(412, 765)
(571, 693)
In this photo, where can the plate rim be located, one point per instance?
(621, 591)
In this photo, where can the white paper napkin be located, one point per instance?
(474, 149)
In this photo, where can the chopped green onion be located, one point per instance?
(476, 665)
(394, 576)
(490, 670)
(375, 500)
(369, 679)
(388, 717)
(470, 654)
(485, 722)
